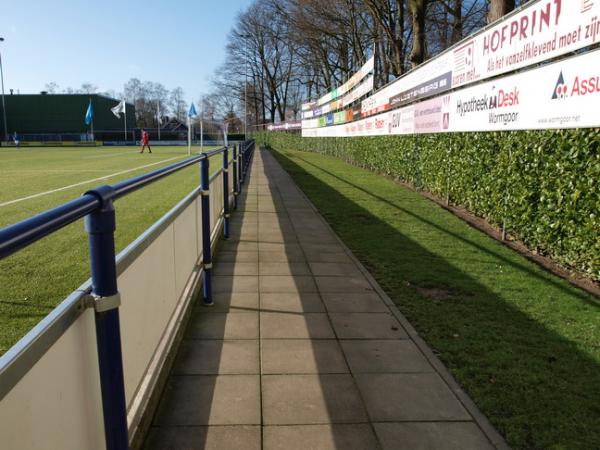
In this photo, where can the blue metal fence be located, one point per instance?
(97, 207)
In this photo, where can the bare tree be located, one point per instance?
(389, 17)
(148, 97)
(88, 88)
(52, 87)
(178, 104)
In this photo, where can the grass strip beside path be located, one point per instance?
(523, 343)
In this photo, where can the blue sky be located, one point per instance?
(107, 42)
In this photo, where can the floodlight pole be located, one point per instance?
(3, 103)
(246, 87)
(201, 124)
(245, 37)
(158, 120)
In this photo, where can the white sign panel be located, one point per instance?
(294, 125)
(565, 94)
(365, 70)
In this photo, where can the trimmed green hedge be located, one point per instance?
(545, 184)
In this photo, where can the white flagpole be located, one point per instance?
(201, 135)
(125, 118)
(189, 135)
(92, 124)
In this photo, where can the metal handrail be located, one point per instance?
(96, 206)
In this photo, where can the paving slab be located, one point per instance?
(367, 326)
(210, 400)
(238, 283)
(319, 437)
(235, 268)
(238, 256)
(335, 270)
(277, 268)
(295, 326)
(281, 256)
(302, 356)
(343, 284)
(351, 302)
(431, 436)
(205, 438)
(306, 302)
(285, 283)
(302, 350)
(239, 325)
(387, 356)
(231, 302)
(217, 357)
(414, 397)
(311, 399)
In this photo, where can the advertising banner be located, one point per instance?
(564, 94)
(361, 90)
(539, 31)
(294, 125)
(365, 70)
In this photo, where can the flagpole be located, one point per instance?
(91, 118)
(92, 124)
(125, 119)
(189, 135)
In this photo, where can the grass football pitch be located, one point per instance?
(32, 180)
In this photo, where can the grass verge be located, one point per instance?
(523, 343)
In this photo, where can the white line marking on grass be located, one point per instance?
(111, 154)
(29, 197)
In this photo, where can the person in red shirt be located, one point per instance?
(145, 141)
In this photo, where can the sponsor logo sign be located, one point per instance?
(294, 125)
(427, 89)
(366, 69)
(564, 94)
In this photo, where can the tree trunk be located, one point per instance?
(499, 8)
(417, 12)
(457, 22)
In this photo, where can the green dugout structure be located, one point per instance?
(61, 118)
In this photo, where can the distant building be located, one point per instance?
(175, 125)
(62, 116)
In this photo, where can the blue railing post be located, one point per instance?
(100, 226)
(226, 193)
(236, 190)
(206, 253)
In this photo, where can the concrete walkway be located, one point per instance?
(302, 349)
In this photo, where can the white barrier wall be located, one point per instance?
(57, 404)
